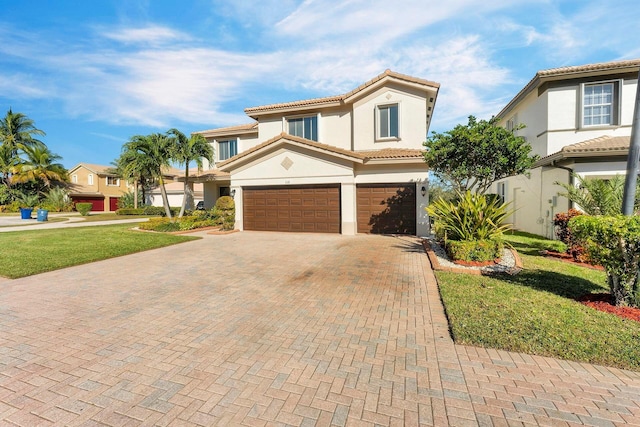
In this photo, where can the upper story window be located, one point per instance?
(600, 104)
(304, 127)
(74, 178)
(227, 149)
(90, 179)
(113, 181)
(387, 123)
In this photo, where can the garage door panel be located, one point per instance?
(386, 208)
(295, 208)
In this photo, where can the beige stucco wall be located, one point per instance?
(412, 118)
(535, 199)
(99, 185)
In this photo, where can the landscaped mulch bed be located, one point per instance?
(563, 256)
(602, 302)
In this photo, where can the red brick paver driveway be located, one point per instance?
(273, 329)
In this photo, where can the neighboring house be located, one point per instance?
(96, 185)
(578, 120)
(175, 190)
(346, 164)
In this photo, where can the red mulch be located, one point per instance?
(602, 302)
(568, 258)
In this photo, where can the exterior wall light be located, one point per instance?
(423, 191)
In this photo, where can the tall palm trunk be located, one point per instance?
(187, 192)
(165, 198)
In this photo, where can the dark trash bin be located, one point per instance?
(43, 215)
(25, 213)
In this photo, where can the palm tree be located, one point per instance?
(597, 196)
(185, 151)
(40, 165)
(150, 153)
(134, 168)
(17, 132)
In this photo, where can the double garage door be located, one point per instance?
(292, 208)
(381, 208)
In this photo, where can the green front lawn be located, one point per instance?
(535, 312)
(25, 253)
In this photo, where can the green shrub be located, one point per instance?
(614, 243)
(225, 202)
(130, 211)
(12, 207)
(178, 224)
(84, 208)
(27, 200)
(471, 217)
(474, 250)
(57, 200)
(225, 210)
(127, 200)
(159, 210)
(561, 221)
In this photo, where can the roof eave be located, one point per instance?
(254, 114)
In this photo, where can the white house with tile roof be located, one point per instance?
(578, 120)
(347, 164)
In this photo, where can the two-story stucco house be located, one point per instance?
(96, 184)
(347, 164)
(578, 120)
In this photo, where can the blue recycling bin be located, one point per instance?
(25, 213)
(43, 215)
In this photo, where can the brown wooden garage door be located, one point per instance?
(386, 208)
(292, 208)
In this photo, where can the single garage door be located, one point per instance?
(113, 203)
(386, 208)
(97, 202)
(292, 208)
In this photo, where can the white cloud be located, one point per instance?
(151, 35)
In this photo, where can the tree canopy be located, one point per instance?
(472, 156)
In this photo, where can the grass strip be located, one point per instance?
(535, 312)
(25, 253)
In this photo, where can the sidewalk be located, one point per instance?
(15, 223)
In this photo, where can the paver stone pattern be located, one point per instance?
(274, 329)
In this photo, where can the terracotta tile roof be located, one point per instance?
(97, 169)
(631, 65)
(358, 156)
(210, 175)
(601, 66)
(246, 128)
(339, 99)
(596, 147)
(391, 153)
(295, 139)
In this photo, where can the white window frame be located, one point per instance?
(219, 150)
(615, 103)
(74, 178)
(90, 179)
(378, 122)
(117, 184)
(285, 124)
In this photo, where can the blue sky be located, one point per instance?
(94, 73)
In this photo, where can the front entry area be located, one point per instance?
(305, 208)
(386, 208)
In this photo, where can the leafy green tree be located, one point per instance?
(474, 155)
(151, 153)
(17, 132)
(41, 166)
(185, 151)
(597, 196)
